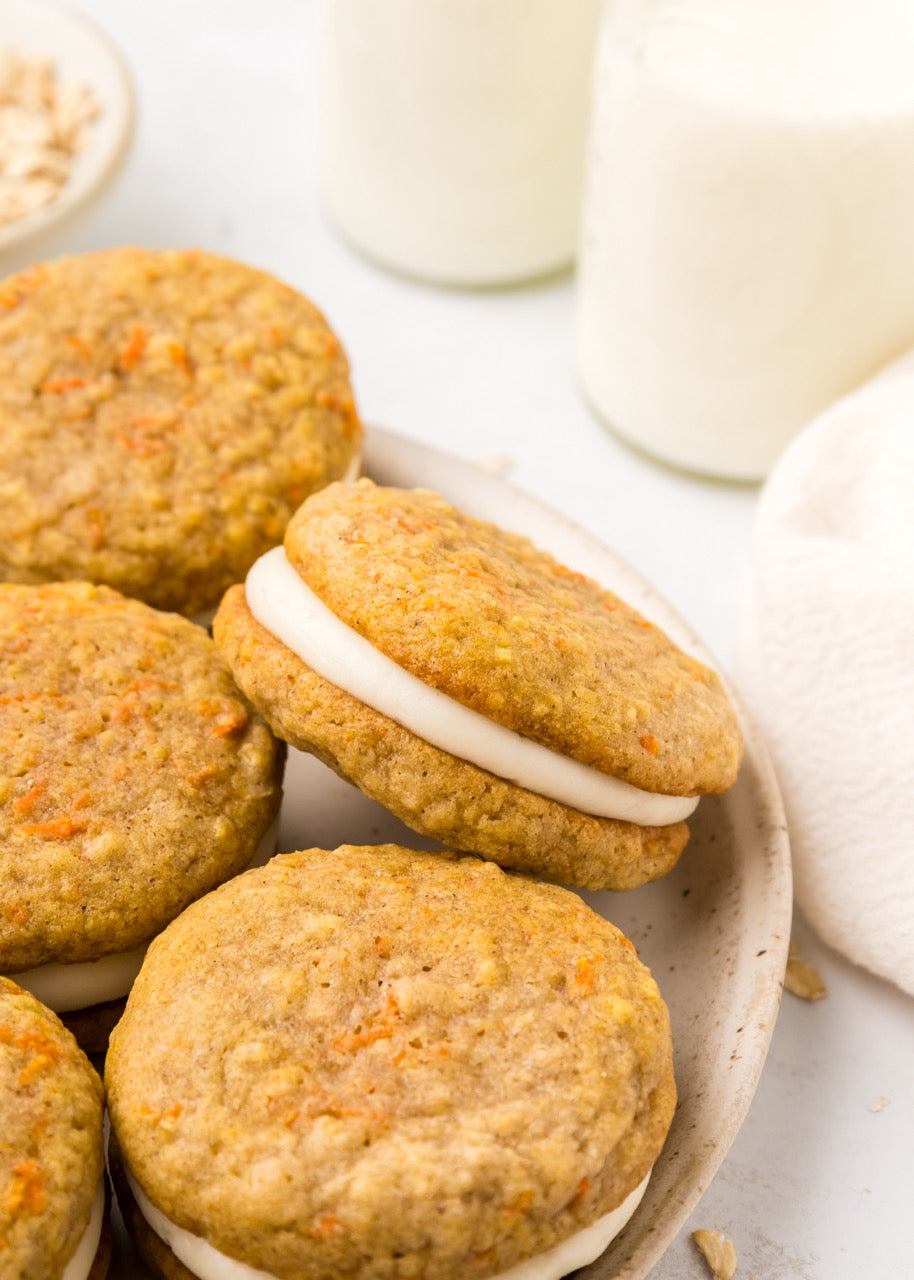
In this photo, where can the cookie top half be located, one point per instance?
(133, 774)
(500, 626)
(387, 1063)
(50, 1139)
(163, 412)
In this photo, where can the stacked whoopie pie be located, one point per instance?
(367, 1063)
(391, 1064)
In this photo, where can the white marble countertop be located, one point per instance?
(817, 1185)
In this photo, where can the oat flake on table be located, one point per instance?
(43, 126)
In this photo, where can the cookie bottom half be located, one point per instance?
(432, 792)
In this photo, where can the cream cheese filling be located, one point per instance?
(286, 606)
(80, 1263)
(577, 1251)
(65, 987)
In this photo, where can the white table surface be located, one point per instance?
(817, 1185)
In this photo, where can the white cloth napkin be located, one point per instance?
(826, 666)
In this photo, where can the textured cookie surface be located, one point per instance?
(133, 774)
(50, 1139)
(498, 625)
(433, 792)
(163, 413)
(382, 1064)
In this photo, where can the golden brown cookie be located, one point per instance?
(511, 636)
(163, 413)
(384, 1063)
(51, 1161)
(134, 776)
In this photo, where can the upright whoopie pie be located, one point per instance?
(163, 413)
(134, 776)
(53, 1222)
(487, 695)
(376, 1064)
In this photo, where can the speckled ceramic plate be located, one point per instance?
(715, 932)
(41, 28)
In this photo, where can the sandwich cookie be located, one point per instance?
(134, 777)
(163, 414)
(53, 1217)
(377, 1063)
(488, 696)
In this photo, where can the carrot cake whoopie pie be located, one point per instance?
(53, 1219)
(374, 1063)
(134, 776)
(487, 695)
(163, 414)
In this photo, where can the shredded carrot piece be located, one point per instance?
(649, 743)
(179, 357)
(79, 345)
(230, 722)
(58, 829)
(360, 1039)
(328, 1225)
(149, 682)
(585, 972)
(26, 803)
(26, 1191)
(20, 286)
(33, 1068)
(136, 344)
(55, 385)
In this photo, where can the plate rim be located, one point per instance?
(387, 450)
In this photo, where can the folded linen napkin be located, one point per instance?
(825, 662)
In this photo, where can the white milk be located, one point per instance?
(451, 132)
(748, 234)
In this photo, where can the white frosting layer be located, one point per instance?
(80, 1263)
(65, 987)
(578, 1250)
(281, 602)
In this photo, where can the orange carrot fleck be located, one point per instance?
(19, 287)
(229, 722)
(149, 682)
(179, 357)
(136, 344)
(58, 829)
(79, 345)
(328, 1225)
(26, 803)
(26, 1191)
(55, 385)
(361, 1039)
(649, 743)
(585, 972)
(33, 1067)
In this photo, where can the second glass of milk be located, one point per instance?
(747, 251)
(451, 143)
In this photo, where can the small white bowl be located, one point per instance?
(78, 52)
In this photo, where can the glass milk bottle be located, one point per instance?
(747, 250)
(451, 132)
